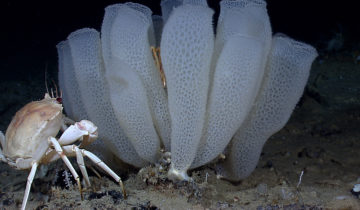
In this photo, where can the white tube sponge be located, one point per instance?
(245, 17)
(89, 73)
(146, 11)
(246, 34)
(129, 42)
(109, 17)
(286, 75)
(167, 7)
(187, 46)
(158, 26)
(128, 95)
(233, 93)
(71, 99)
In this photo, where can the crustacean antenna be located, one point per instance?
(58, 93)
(46, 86)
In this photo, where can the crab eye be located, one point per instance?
(59, 100)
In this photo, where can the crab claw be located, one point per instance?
(84, 128)
(89, 127)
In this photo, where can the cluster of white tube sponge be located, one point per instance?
(228, 91)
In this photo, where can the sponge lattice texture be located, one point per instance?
(187, 46)
(87, 62)
(286, 74)
(129, 44)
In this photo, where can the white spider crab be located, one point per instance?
(30, 141)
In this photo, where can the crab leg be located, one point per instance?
(2, 157)
(80, 161)
(2, 142)
(106, 168)
(52, 155)
(71, 149)
(60, 151)
(28, 184)
(2, 139)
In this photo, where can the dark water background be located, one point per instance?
(30, 30)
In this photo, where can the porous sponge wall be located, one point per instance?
(187, 46)
(286, 74)
(86, 60)
(72, 100)
(128, 97)
(242, 44)
(129, 42)
(233, 93)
